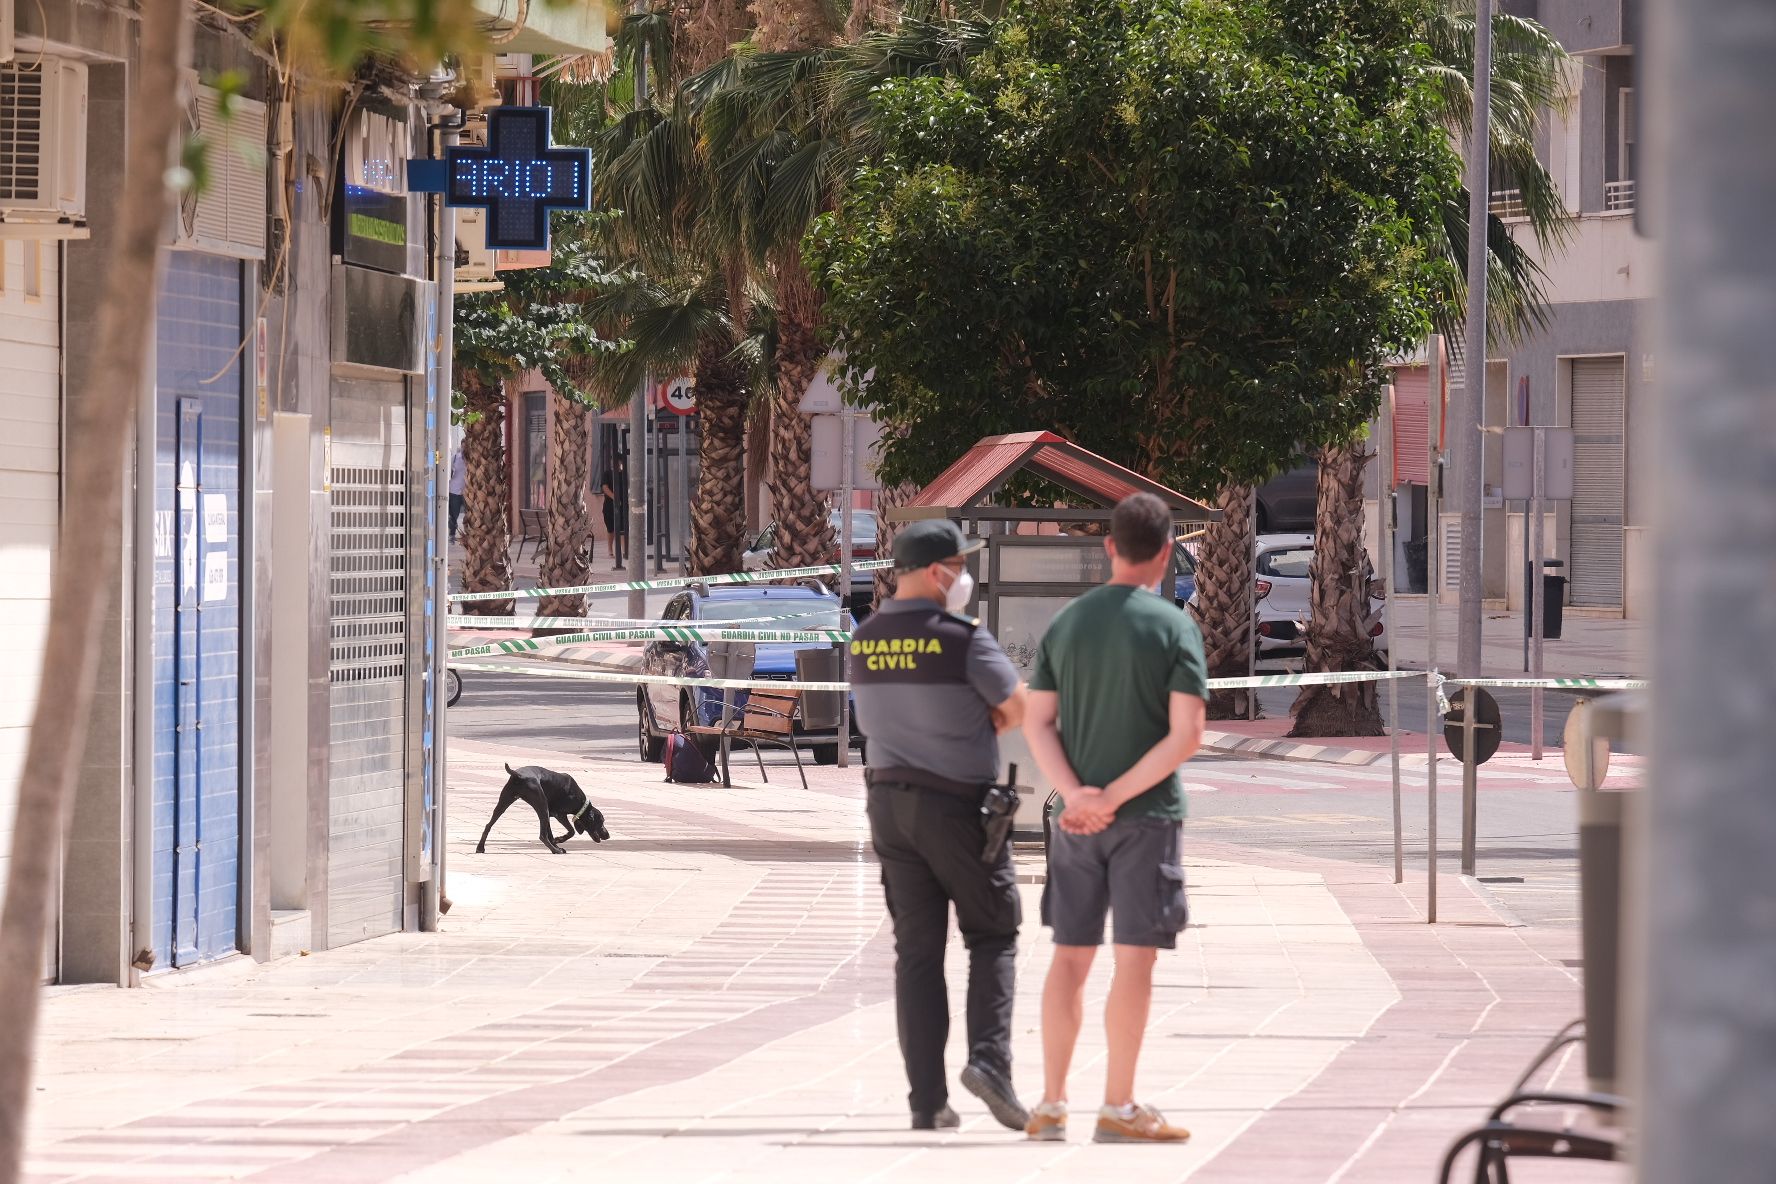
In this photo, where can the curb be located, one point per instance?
(1297, 750)
(614, 661)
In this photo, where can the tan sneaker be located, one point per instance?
(1143, 1125)
(1048, 1123)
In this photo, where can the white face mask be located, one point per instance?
(961, 588)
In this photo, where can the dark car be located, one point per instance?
(1286, 502)
(1186, 569)
(662, 709)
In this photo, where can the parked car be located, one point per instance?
(1286, 502)
(662, 709)
(1185, 591)
(864, 538)
(1280, 565)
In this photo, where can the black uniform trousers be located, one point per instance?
(929, 844)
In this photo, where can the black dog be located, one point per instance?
(551, 795)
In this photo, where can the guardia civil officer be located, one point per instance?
(933, 690)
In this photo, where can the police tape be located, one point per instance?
(1442, 683)
(1314, 679)
(736, 577)
(503, 624)
(670, 680)
(678, 633)
(1554, 684)
(1434, 678)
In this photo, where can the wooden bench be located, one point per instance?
(768, 717)
(531, 529)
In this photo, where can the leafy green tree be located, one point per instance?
(1187, 235)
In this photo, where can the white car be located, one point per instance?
(1280, 565)
(864, 536)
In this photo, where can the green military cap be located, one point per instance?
(930, 540)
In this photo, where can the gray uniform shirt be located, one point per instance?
(925, 683)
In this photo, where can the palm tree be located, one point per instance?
(785, 123)
(539, 322)
(1529, 69)
(1223, 597)
(689, 303)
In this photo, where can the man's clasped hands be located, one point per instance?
(1088, 810)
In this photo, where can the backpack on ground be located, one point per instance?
(685, 762)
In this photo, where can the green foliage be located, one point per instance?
(335, 36)
(1185, 233)
(1528, 67)
(540, 321)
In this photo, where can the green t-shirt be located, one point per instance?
(1114, 656)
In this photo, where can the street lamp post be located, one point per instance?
(1473, 407)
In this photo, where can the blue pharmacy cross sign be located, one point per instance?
(518, 178)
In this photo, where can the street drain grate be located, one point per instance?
(1501, 879)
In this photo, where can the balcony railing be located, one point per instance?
(1508, 203)
(1618, 197)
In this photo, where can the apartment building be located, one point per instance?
(1592, 365)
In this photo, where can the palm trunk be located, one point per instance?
(718, 515)
(567, 553)
(804, 533)
(1338, 604)
(101, 419)
(1223, 597)
(758, 464)
(487, 496)
(891, 497)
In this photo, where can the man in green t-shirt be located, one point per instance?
(1116, 704)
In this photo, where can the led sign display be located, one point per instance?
(518, 178)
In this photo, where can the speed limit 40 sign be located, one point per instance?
(681, 397)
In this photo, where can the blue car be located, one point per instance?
(662, 709)
(1185, 588)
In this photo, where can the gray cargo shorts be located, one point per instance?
(1131, 869)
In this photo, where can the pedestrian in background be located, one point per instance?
(1117, 700)
(933, 691)
(614, 486)
(459, 476)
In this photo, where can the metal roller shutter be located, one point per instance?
(1599, 398)
(1412, 385)
(30, 498)
(368, 724)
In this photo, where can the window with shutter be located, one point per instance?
(1599, 409)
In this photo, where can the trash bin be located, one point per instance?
(1553, 598)
(820, 709)
(1418, 553)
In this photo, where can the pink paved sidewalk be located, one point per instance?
(708, 996)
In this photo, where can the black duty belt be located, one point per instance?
(899, 778)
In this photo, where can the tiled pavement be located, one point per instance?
(706, 998)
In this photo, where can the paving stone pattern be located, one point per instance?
(707, 997)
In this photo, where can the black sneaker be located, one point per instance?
(992, 1087)
(942, 1120)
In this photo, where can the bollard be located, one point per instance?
(1600, 884)
(1600, 921)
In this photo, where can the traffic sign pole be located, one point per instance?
(1433, 578)
(1470, 778)
(1537, 593)
(847, 446)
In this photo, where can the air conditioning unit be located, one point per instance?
(474, 262)
(43, 148)
(228, 216)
